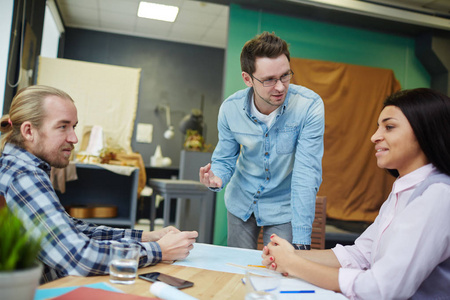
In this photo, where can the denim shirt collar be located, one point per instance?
(247, 104)
(22, 154)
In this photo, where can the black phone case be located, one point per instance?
(170, 280)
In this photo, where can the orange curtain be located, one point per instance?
(353, 96)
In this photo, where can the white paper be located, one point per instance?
(235, 260)
(219, 258)
(144, 133)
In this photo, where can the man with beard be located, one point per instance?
(270, 150)
(37, 134)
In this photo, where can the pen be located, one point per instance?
(298, 292)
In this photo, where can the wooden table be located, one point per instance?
(216, 272)
(207, 284)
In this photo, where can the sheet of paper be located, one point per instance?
(295, 284)
(144, 133)
(219, 258)
(235, 260)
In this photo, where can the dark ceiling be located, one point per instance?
(329, 15)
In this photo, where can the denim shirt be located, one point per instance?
(273, 172)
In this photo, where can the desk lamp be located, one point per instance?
(169, 133)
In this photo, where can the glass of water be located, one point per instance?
(124, 263)
(262, 284)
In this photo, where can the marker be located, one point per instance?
(298, 292)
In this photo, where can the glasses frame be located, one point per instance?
(264, 82)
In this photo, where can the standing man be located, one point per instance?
(39, 132)
(269, 151)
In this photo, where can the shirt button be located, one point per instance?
(267, 134)
(267, 153)
(267, 178)
(267, 170)
(254, 202)
(258, 192)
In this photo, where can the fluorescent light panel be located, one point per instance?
(157, 11)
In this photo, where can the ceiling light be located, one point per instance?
(157, 11)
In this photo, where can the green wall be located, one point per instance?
(316, 40)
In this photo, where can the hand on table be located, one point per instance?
(176, 245)
(153, 236)
(208, 178)
(278, 254)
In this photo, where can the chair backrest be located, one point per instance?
(318, 226)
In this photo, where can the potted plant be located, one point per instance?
(20, 270)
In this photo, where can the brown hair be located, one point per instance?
(263, 45)
(27, 105)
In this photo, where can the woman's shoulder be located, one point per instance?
(435, 178)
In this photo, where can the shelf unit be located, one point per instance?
(99, 186)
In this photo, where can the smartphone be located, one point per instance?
(170, 280)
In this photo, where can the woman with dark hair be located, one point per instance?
(405, 253)
(428, 114)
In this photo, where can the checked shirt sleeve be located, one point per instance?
(69, 246)
(104, 232)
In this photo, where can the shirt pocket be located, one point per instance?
(287, 139)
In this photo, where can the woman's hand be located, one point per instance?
(267, 257)
(279, 254)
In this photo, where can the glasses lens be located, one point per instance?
(286, 78)
(270, 82)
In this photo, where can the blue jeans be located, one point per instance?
(245, 234)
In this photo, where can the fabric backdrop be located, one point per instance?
(353, 96)
(104, 95)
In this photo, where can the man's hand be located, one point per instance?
(153, 236)
(208, 178)
(176, 245)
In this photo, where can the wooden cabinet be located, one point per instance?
(99, 186)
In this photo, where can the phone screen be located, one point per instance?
(170, 280)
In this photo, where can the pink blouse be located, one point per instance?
(403, 246)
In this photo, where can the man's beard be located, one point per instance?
(54, 160)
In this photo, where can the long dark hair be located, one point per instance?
(428, 113)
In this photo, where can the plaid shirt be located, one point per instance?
(69, 246)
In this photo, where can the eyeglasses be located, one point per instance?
(273, 81)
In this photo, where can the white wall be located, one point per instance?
(6, 11)
(50, 36)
